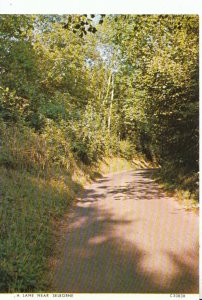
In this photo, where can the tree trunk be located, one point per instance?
(111, 104)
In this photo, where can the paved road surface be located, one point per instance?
(125, 236)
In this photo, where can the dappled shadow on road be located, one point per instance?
(141, 188)
(97, 258)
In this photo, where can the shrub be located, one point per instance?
(127, 150)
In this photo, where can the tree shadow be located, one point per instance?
(94, 259)
(187, 280)
(96, 262)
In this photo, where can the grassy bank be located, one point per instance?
(29, 205)
(182, 185)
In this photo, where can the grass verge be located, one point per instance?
(183, 187)
(29, 205)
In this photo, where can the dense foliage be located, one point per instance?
(75, 89)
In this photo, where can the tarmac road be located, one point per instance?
(124, 235)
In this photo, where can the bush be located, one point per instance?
(87, 137)
(12, 107)
(127, 150)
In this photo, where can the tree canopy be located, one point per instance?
(116, 77)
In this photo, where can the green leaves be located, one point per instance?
(162, 51)
(12, 107)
